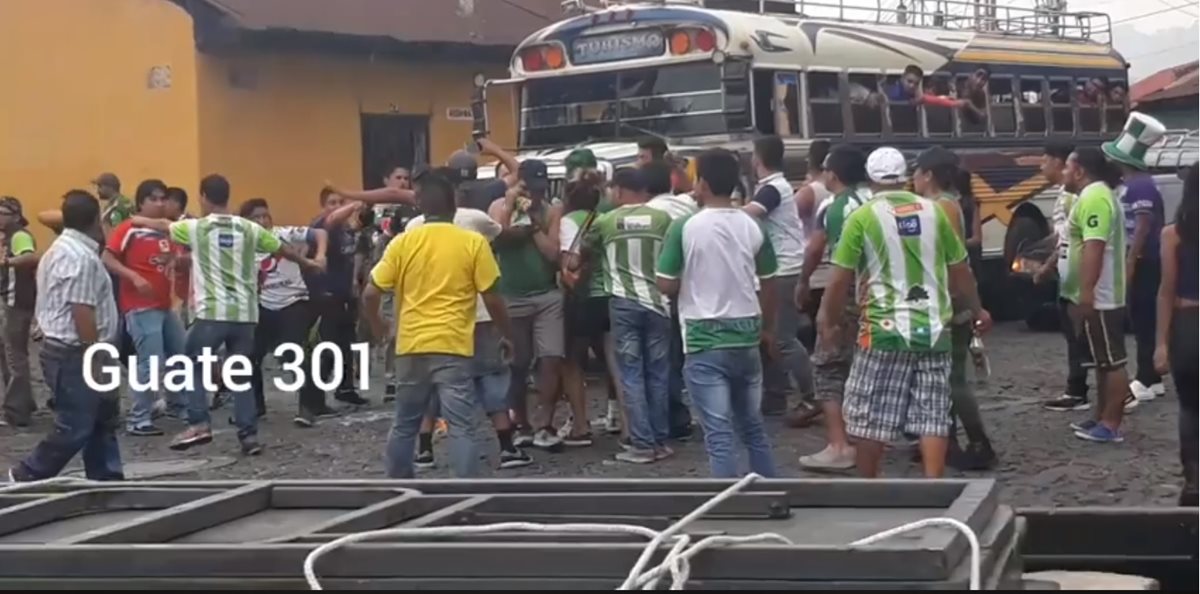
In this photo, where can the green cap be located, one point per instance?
(580, 159)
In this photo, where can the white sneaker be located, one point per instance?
(1159, 389)
(1141, 391)
(830, 458)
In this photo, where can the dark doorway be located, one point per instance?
(389, 140)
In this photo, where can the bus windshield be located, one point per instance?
(674, 101)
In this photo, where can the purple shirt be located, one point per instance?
(1142, 196)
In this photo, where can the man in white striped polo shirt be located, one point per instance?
(76, 311)
(909, 261)
(225, 300)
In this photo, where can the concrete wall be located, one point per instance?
(293, 120)
(77, 100)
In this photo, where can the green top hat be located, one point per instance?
(580, 159)
(1140, 133)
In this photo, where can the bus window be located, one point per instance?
(1033, 106)
(554, 113)
(939, 118)
(1114, 106)
(866, 104)
(787, 104)
(1060, 107)
(973, 113)
(1090, 93)
(903, 114)
(825, 104)
(1003, 107)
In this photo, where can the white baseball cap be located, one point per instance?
(886, 165)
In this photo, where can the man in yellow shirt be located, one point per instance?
(436, 272)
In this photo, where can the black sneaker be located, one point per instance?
(424, 460)
(304, 419)
(325, 412)
(684, 433)
(251, 447)
(515, 459)
(351, 397)
(977, 457)
(1067, 403)
(145, 431)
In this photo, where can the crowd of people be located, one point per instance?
(691, 289)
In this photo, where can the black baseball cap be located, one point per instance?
(535, 175)
(629, 178)
(936, 157)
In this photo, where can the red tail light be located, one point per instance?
(543, 57)
(706, 41)
(691, 40)
(531, 59)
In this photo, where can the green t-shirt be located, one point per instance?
(1096, 216)
(900, 246)
(630, 239)
(225, 264)
(19, 285)
(718, 256)
(524, 271)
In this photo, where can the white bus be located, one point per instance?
(995, 84)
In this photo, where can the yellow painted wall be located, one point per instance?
(300, 123)
(75, 99)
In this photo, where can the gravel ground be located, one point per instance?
(1041, 462)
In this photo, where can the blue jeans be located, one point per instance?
(420, 379)
(156, 333)
(726, 389)
(643, 341)
(84, 419)
(238, 338)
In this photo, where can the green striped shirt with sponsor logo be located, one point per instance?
(901, 246)
(630, 238)
(224, 265)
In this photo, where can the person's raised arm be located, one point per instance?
(545, 236)
(320, 240)
(1168, 246)
(341, 215)
(161, 225)
(384, 195)
(511, 164)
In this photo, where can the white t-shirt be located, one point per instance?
(283, 282)
(775, 196)
(677, 206)
(471, 220)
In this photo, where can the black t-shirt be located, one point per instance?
(338, 278)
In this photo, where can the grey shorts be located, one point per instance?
(832, 358)
(890, 393)
(537, 322)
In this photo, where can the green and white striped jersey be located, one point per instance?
(631, 238)
(224, 265)
(901, 246)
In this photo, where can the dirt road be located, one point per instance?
(1041, 462)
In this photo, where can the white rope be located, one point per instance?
(677, 561)
(972, 540)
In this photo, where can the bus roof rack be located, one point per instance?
(1176, 149)
(985, 16)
